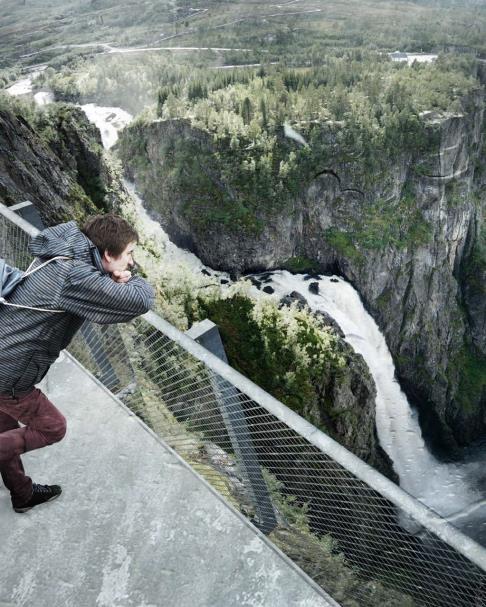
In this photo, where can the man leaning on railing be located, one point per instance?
(77, 275)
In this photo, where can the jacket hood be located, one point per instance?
(66, 239)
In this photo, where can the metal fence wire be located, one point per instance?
(361, 538)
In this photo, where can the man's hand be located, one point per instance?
(121, 275)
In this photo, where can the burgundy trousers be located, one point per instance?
(43, 425)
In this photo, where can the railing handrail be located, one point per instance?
(18, 221)
(433, 522)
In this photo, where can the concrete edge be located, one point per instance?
(242, 518)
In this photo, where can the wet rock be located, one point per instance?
(223, 281)
(67, 179)
(265, 277)
(293, 297)
(268, 289)
(205, 272)
(314, 288)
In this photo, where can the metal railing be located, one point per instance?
(341, 521)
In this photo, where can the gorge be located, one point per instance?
(454, 490)
(430, 261)
(407, 231)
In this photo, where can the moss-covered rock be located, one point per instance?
(301, 360)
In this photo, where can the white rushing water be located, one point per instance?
(109, 120)
(450, 489)
(447, 488)
(43, 98)
(24, 86)
(21, 87)
(420, 58)
(173, 254)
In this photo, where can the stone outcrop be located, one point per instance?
(424, 299)
(345, 405)
(346, 408)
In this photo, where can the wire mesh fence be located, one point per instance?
(355, 533)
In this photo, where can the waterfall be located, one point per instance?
(451, 489)
(109, 120)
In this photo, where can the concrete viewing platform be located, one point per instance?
(135, 526)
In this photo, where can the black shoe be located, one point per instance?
(40, 495)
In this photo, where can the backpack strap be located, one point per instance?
(28, 272)
(6, 303)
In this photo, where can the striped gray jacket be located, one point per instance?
(30, 340)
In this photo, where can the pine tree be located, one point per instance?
(196, 90)
(162, 95)
(263, 111)
(246, 110)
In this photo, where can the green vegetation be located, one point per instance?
(300, 265)
(131, 81)
(454, 196)
(24, 108)
(379, 101)
(476, 264)
(471, 362)
(358, 113)
(472, 377)
(383, 223)
(342, 242)
(80, 205)
(67, 133)
(299, 35)
(8, 77)
(355, 108)
(288, 352)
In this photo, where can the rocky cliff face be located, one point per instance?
(418, 288)
(56, 162)
(345, 408)
(410, 239)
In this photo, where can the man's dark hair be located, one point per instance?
(110, 233)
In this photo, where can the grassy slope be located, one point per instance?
(300, 29)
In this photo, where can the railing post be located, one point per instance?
(207, 334)
(93, 342)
